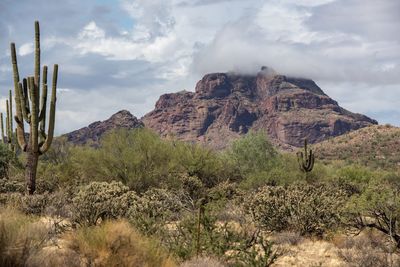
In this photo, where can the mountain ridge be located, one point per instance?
(94, 131)
(225, 106)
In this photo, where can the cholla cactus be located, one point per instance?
(28, 109)
(306, 160)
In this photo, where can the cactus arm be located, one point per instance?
(8, 130)
(43, 104)
(25, 101)
(14, 66)
(37, 58)
(43, 100)
(34, 114)
(2, 128)
(52, 113)
(11, 111)
(19, 118)
(311, 160)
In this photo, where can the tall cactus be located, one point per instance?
(3, 139)
(8, 137)
(28, 109)
(306, 159)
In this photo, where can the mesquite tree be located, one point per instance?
(28, 109)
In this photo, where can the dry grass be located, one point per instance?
(287, 238)
(21, 237)
(369, 249)
(31, 241)
(202, 262)
(116, 244)
(309, 253)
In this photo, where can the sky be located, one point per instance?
(123, 54)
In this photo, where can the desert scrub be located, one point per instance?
(306, 209)
(27, 204)
(101, 200)
(369, 249)
(11, 186)
(155, 209)
(377, 207)
(236, 245)
(116, 243)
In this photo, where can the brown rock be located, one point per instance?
(227, 105)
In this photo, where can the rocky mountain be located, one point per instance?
(92, 133)
(227, 105)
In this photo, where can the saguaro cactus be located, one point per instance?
(28, 109)
(8, 137)
(306, 159)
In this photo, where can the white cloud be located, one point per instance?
(134, 50)
(25, 49)
(92, 39)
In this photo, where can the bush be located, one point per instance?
(34, 204)
(252, 153)
(236, 245)
(101, 200)
(378, 207)
(116, 244)
(141, 160)
(11, 186)
(306, 209)
(204, 163)
(155, 209)
(27, 204)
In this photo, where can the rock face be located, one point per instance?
(227, 105)
(92, 133)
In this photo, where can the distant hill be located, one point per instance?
(374, 146)
(225, 106)
(92, 133)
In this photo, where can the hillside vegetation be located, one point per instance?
(374, 146)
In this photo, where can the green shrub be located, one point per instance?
(155, 209)
(252, 153)
(101, 200)
(141, 160)
(237, 245)
(378, 207)
(306, 209)
(204, 163)
(192, 187)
